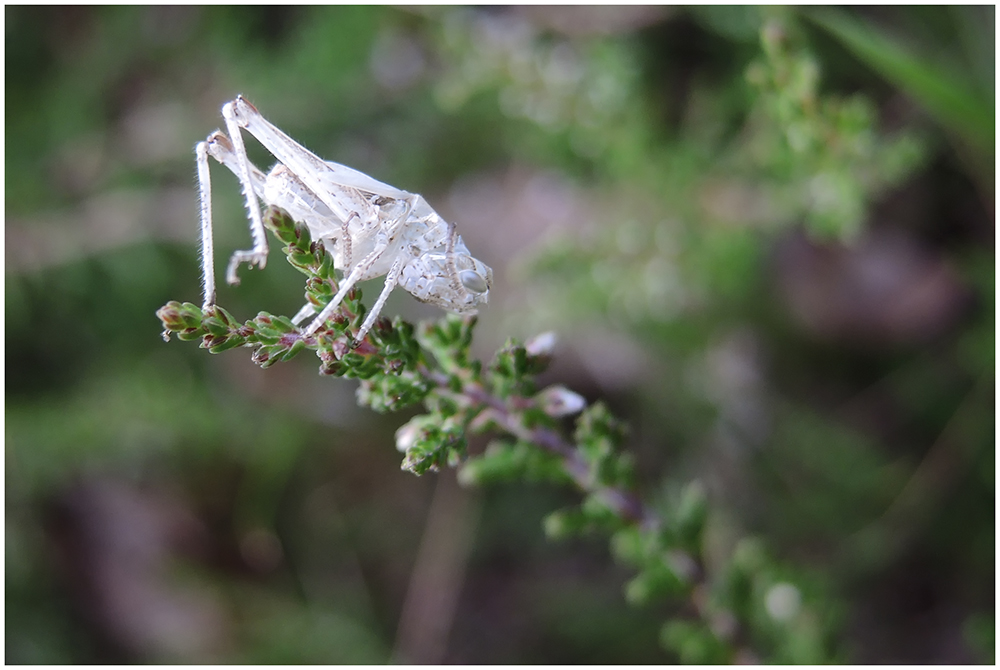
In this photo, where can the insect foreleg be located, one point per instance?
(390, 283)
(401, 218)
(258, 255)
(349, 281)
(345, 239)
(301, 315)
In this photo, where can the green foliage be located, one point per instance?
(824, 152)
(680, 152)
(689, 246)
(519, 460)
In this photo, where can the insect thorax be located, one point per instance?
(436, 265)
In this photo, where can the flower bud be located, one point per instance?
(407, 434)
(542, 344)
(559, 401)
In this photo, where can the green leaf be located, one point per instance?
(691, 514)
(230, 343)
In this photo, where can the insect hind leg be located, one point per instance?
(207, 248)
(245, 172)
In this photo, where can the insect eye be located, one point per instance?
(472, 281)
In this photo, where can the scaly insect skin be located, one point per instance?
(372, 229)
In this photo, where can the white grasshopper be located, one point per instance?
(372, 229)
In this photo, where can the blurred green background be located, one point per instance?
(765, 237)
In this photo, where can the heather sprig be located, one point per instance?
(401, 365)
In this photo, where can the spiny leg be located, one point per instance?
(349, 281)
(302, 162)
(301, 315)
(218, 146)
(345, 254)
(345, 239)
(385, 235)
(207, 250)
(390, 283)
(258, 255)
(404, 215)
(392, 277)
(221, 149)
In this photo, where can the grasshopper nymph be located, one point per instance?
(372, 229)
